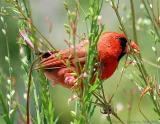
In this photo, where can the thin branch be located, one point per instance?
(133, 21)
(28, 91)
(147, 10)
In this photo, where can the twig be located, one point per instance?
(141, 110)
(133, 21)
(28, 91)
(155, 28)
(43, 37)
(140, 65)
(130, 103)
(109, 119)
(108, 109)
(151, 63)
(117, 86)
(28, 19)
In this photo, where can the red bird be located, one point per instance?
(60, 67)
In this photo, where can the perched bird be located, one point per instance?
(60, 66)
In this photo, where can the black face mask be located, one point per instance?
(123, 43)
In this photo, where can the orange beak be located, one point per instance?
(133, 46)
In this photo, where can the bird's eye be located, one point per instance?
(46, 55)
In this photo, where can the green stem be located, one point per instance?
(133, 21)
(154, 25)
(28, 91)
(28, 18)
(9, 69)
(137, 58)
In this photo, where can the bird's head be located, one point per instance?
(115, 45)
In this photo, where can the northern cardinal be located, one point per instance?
(112, 46)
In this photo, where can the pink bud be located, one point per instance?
(24, 35)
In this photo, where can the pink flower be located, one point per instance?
(24, 35)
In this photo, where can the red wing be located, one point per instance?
(61, 58)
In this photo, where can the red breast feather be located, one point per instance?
(109, 50)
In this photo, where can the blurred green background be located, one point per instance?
(44, 11)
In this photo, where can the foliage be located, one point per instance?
(38, 105)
